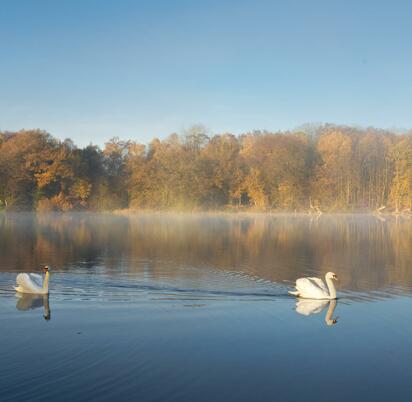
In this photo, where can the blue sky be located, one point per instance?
(94, 69)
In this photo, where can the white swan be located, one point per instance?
(315, 288)
(33, 283)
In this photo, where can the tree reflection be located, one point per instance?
(366, 253)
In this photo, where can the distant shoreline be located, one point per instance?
(226, 212)
(251, 211)
(337, 169)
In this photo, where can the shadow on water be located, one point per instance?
(27, 301)
(308, 307)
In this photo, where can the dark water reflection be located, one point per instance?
(160, 307)
(368, 255)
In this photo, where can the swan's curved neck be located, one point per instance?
(331, 287)
(46, 281)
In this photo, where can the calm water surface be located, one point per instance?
(159, 307)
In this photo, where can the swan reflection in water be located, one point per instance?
(28, 301)
(310, 306)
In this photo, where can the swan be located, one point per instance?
(315, 288)
(33, 283)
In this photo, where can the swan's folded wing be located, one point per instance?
(310, 289)
(22, 279)
(319, 282)
(36, 278)
(26, 285)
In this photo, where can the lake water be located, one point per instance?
(159, 307)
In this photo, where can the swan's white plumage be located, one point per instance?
(308, 287)
(315, 288)
(32, 283)
(318, 282)
(37, 278)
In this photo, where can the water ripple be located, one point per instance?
(216, 285)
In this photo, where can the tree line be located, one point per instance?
(328, 168)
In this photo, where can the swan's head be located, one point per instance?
(331, 275)
(333, 321)
(46, 269)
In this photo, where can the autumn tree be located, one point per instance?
(331, 167)
(23, 156)
(333, 184)
(114, 191)
(401, 189)
(282, 161)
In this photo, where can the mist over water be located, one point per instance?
(208, 251)
(195, 307)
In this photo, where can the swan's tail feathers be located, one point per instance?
(294, 293)
(18, 288)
